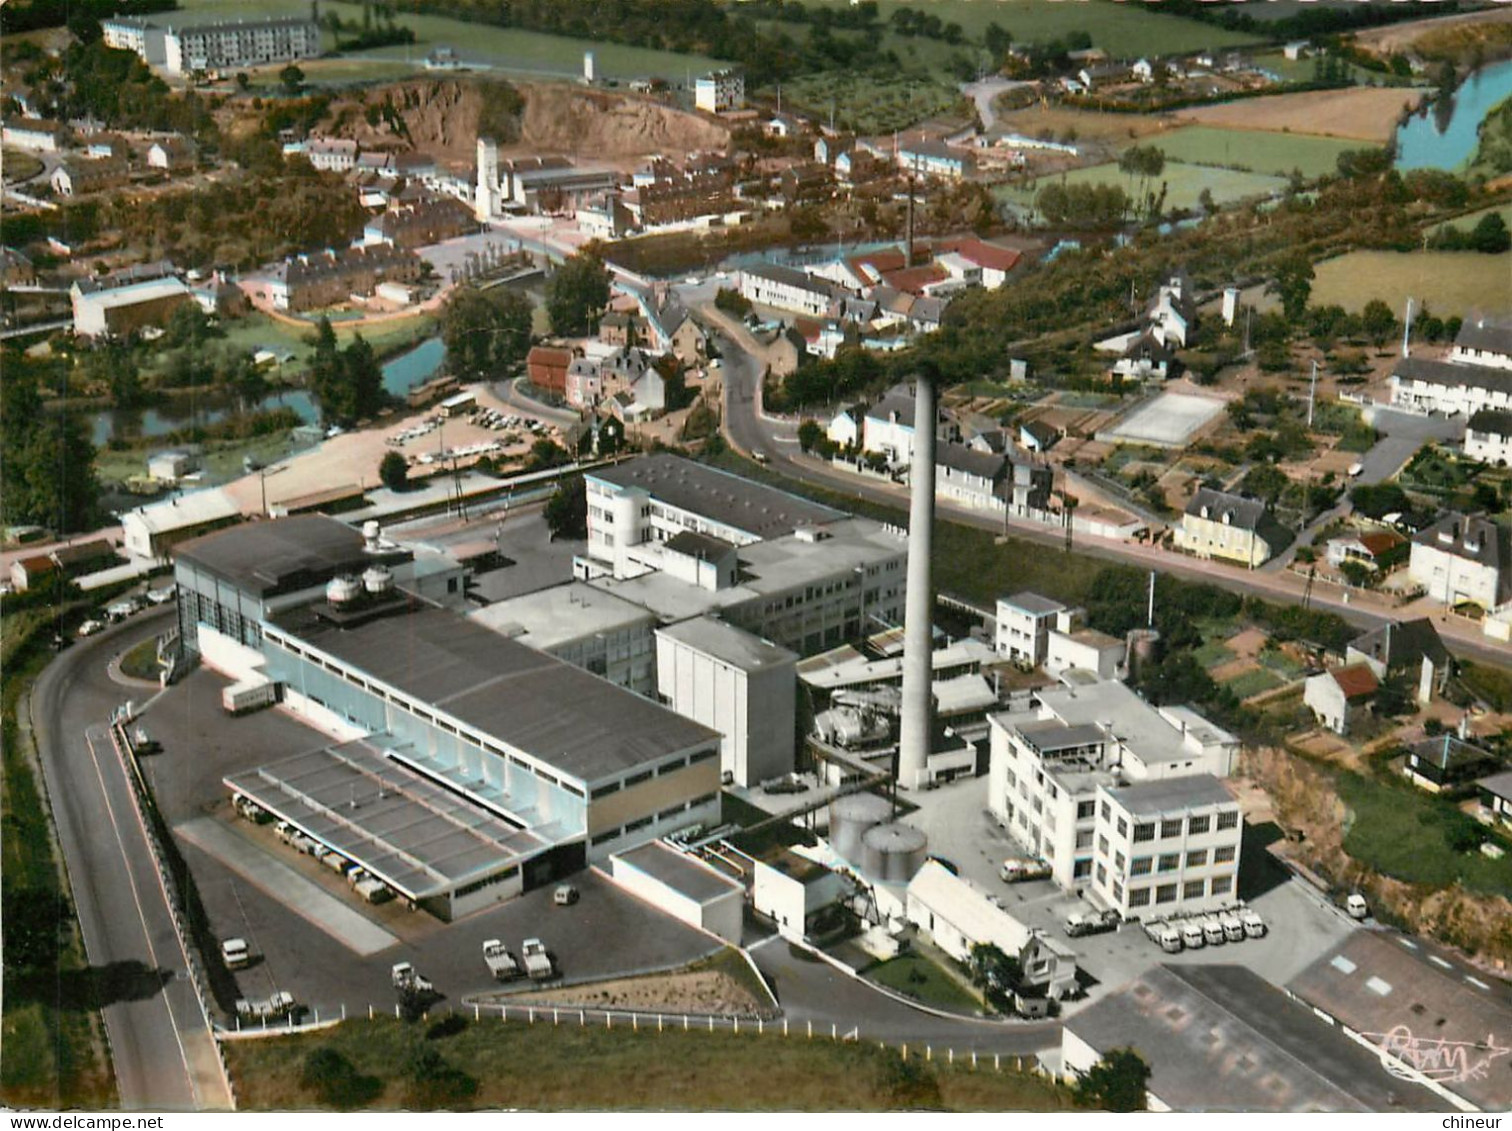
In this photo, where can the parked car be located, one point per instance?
(236, 953)
(1017, 868)
(565, 895)
(90, 627)
(1356, 906)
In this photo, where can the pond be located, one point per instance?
(1434, 139)
(399, 375)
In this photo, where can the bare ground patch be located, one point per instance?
(701, 991)
(1367, 114)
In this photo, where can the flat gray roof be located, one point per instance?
(679, 872)
(284, 553)
(1171, 795)
(735, 646)
(1377, 982)
(414, 835)
(1221, 1038)
(1033, 603)
(758, 510)
(582, 725)
(1050, 735)
(561, 614)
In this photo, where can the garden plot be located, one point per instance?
(1168, 421)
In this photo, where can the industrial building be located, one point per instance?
(530, 766)
(102, 308)
(1122, 799)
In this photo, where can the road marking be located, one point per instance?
(308, 900)
(141, 912)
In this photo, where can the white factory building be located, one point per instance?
(1123, 800)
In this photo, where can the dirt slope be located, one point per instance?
(440, 117)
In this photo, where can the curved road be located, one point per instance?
(747, 430)
(160, 1042)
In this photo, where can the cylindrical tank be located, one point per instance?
(371, 532)
(341, 590)
(849, 818)
(377, 579)
(893, 853)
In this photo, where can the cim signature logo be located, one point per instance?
(1447, 1062)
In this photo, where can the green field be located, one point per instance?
(1400, 831)
(546, 1068)
(1452, 282)
(870, 104)
(1213, 654)
(524, 53)
(1253, 683)
(1185, 182)
(1470, 219)
(1120, 28)
(1255, 151)
(259, 331)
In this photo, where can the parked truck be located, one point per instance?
(1090, 922)
(249, 695)
(1254, 926)
(501, 964)
(538, 963)
(373, 890)
(1017, 868)
(407, 979)
(1165, 936)
(1233, 926)
(276, 1007)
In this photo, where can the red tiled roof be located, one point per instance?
(1381, 541)
(914, 279)
(987, 255)
(1356, 681)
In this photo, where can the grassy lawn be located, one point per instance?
(20, 165)
(141, 662)
(1455, 282)
(1470, 219)
(918, 977)
(1253, 683)
(1185, 184)
(1280, 663)
(1400, 831)
(546, 1068)
(1213, 654)
(1494, 685)
(522, 52)
(1255, 151)
(259, 331)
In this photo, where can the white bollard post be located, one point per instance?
(973, 1060)
(685, 1022)
(582, 1018)
(904, 1051)
(532, 1015)
(555, 1020)
(370, 1011)
(475, 1011)
(951, 1058)
(811, 1030)
(834, 1031)
(711, 1022)
(737, 1024)
(658, 1022)
(760, 1027)
(635, 1022)
(343, 1011)
(784, 1027)
(996, 1065)
(608, 1021)
(928, 1052)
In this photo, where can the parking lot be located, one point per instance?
(1302, 925)
(273, 903)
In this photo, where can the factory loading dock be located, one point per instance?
(431, 846)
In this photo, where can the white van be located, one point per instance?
(1192, 935)
(236, 953)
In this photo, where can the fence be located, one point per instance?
(647, 1021)
(141, 804)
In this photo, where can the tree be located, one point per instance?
(996, 974)
(809, 434)
(48, 460)
(567, 510)
(393, 469)
(1116, 1082)
(545, 454)
(1378, 321)
(577, 294)
(485, 332)
(1293, 284)
(364, 378)
(1490, 235)
(292, 78)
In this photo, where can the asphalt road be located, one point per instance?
(161, 1044)
(746, 430)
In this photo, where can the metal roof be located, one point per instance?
(1448, 1020)
(262, 557)
(762, 512)
(1171, 795)
(735, 646)
(1220, 1038)
(1032, 603)
(415, 835)
(584, 726)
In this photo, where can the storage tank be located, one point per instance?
(849, 818)
(371, 533)
(893, 853)
(378, 580)
(343, 590)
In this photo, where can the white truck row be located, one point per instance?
(1196, 931)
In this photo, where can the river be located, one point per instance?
(399, 375)
(1422, 144)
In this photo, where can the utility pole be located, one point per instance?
(1312, 393)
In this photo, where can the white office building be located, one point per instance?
(1123, 800)
(1024, 622)
(720, 91)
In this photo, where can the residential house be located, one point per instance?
(307, 282)
(104, 146)
(720, 91)
(992, 262)
(546, 366)
(1335, 696)
(970, 478)
(1484, 341)
(807, 183)
(174, 154)
(65, 561)
(827, 148)
(1446, 763)
(1449, 387)
(1409, 647)
(845, 426)
(932, 158)
(1464, 559)
(1495, 793)
(1381, 551)
(420, 224)
(1488, 437)
(1038, 436)
(1231, 528)
(332, 154)
(1024, 622)
(584, 383)
(888, 427)
(79, 178)
(786, 288)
